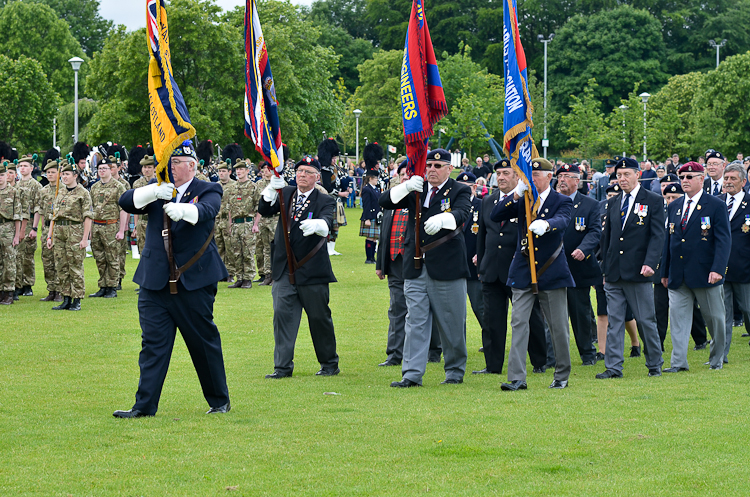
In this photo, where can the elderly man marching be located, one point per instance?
(553, 274)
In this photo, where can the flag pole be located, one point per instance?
(417, 232)
(285, 229)
(530, 244)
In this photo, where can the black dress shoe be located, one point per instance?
(277, 375)
(485, 371)
(110, 293)
(100, 293)
(654, 372)
(481, 349)
(701, 346)
(559, 384)
(221, 409)
(27, 291)
(405, 383)
(328, 372)
(75, 305)
(539, 370)
(131, 413)
(635, 351)
(63, 306)
(451, 381)
(513, 385)
(592, 362)
(720, 366)
(745, 335)
(260, 279)
(674, 370)
(389, 363)
(609, 373)
(599, 356)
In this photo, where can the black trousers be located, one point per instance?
(161, 314)
(496, 298)
(579, 310)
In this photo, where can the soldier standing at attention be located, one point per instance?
(222, 237)
(10, 234)
(242, 204)
(115, 168)
(108, 231)
(147, 170)
(69, 235)
(46, 207)
(266, 227)
(29, 189)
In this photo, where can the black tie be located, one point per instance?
(624, 209)
(716, 188)
(433, 194)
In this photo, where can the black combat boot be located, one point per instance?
(27, 291)
(75, 305)
(111, 293)
(65, 304)
(102, 291)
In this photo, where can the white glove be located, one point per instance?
(437, 222)
(520, 189)
(539, 227)
(178, 212)
(270, 193)
(146, 194)
(314, 226)
(413, 184)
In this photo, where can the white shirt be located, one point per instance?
(428, 197)
(694, 202)
(631, 201)
(737, 200)
(543, 197)
(181, 191)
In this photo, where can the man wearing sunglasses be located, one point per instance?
(694, 265)
(437, 290)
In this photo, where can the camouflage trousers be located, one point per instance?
(48, 263)
(69, 260)
(243, 248)
(267, 227)
(25, 265)
(7, 257)
(224, 244)
(106, 250)
(140, 233)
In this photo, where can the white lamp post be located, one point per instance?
(717, 46)
(623, 108)
(76, 63)
(545, 142)
(357, 113)
(644, 98)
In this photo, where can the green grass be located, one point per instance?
(64, 373)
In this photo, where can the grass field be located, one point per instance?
(63, 374)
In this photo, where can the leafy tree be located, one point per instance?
(87, 109)
(349, 15)
(585, 123)
(86, 24)
(389, 20)
(34, 30)
(351, 51)
(28, 102)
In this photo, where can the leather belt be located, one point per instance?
(105, 222)
(240, 220)
(550, 261)
(66, 222)
(310, 254)
(442, 240)
(174, 271)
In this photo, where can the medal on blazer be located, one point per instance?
(705, 226)
(642, 211)
(445, 205)
(671, 228)
(746, 225)
(580, 224)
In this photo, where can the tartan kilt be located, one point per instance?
(372, 231)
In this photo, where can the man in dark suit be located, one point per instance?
(553, 276)
(714, 181)
(390, 262)
(737, 281)
(437, 290)
(632, 238)
(496, 245)
(581, 240)
(471, 228)
(309, 220)
(603, 182)
(178, 272)
(694, 265)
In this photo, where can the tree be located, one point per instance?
(351, 51)
(349, 15)
(28, 102)
(585, 123)
(86, 25)
(34, 30)
(87, 109)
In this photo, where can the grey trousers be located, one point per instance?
(396, 312)
(711, 302)
(445, 302)
(740, 291)
(554, 305)
(640, 298)
(288, 302)
(476, 299)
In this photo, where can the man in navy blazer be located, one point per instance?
(694, 265)
(553, 274)
(190, 219)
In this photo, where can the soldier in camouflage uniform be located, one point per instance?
(147, 169)
(123, 244)
(108, 230)
(242, 199)
(10, 234)
(69, 236)
(223, 239)
(46, 205)
(266, 230)
(29, 188)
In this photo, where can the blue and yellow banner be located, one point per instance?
(170, 121)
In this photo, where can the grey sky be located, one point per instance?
(125, 11)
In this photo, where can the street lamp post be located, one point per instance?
(76, 63)
(54, 131)
(545, 142)
(357, 113)
(717, 46)
(644, 98)
(623, 108)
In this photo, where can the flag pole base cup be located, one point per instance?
(535, 289)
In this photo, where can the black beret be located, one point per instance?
(615, 188)
(670, 178)
(569, 168)
(308, 161)
(439, 155)
(627, 163)
(673, 188)
(610, 162)
(502, 164)
(466, 178)
(713, 154)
